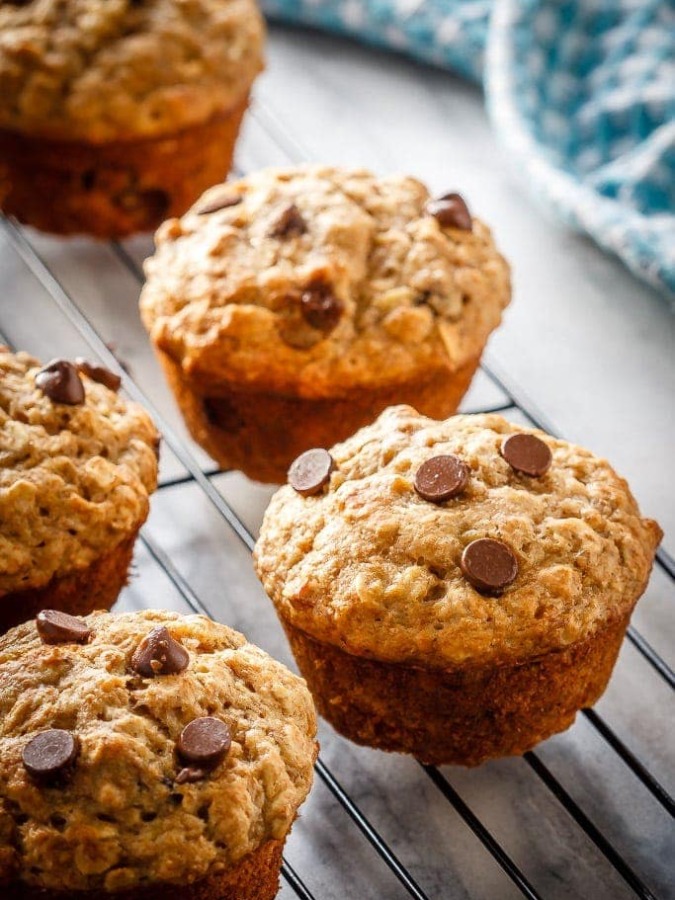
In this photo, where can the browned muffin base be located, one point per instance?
(256, 877)
(261, 434)
(114, 189)
(462, 717)
(96, 587)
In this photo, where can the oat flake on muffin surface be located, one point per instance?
(107, 70)
(74, 479)
(371, 566)
(318, 280)
(117, 819)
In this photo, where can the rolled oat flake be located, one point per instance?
(220, 201)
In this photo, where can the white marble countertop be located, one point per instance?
(584, 342)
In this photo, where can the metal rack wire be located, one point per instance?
(203, 478)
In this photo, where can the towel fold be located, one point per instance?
(581, 92)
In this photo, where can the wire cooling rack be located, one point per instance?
(196, 472)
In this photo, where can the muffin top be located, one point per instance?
(318, 280)
(74, 476)
(119, 811)
(105, 70)
(387, 555)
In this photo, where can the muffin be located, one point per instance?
(456, 590)
(117, 113)
(77, 463)
(290, 308)
(156, 756)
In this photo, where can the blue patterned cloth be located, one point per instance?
(581, 92)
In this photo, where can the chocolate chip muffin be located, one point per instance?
(77, 463)
(456, 590)
(290, 308)
(147, 755)
(117, 113)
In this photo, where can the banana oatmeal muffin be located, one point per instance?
(291, 307)
(147, 755)
(117, 113)
(77, 463)
(457, 590)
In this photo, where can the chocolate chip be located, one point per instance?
(311, 471)
(59, 381)
(320, 307)
(56, 627)
(50, 753)
(159, 654)
(441, 478)
(221, 201)
(489, 565)
(98, 373)
(204, 742)
(289, 223)
(528, 454)
(450, 211)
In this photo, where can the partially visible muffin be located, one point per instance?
(118, 113)
(164, 756)
(77, 463)
(291, 307)
(457, 590)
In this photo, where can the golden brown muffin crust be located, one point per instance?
(371, 567)
(224, 290)
(110, 70)
(74, 480)
(120, 820)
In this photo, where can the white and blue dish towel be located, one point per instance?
(582, 92)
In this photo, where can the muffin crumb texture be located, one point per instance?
(377, 570)
(121, 69)
(118, 819)
(74, 478)
(317, 281)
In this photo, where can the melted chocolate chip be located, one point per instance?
(98, 373)
(204, 742)
(450, 211)
(50, 753)
(528, 454)
(441, 478)
(320, 307)
(489, 565)
(311, 471)
(289, 223)
(56, 627)
(159, 654)
(221, 201)
(59, 381)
